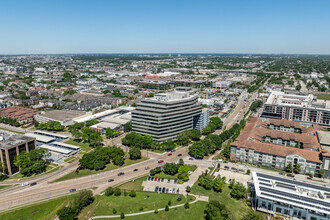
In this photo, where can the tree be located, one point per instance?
(321, 173)
(238, 191)
(132, 193)
(94, 140)
(289, 168)
(66, 213)
(118, 160)
(206, 130)
(117, 192)
(167, 208)
(188, 189)
(32, 162)
(182, 138)
(114, 210)
(171, 168)
(147, 141)
(128, 126)
(252, 215)
(156, 211)
(214, 210)
(194, 134)
(181, 162)
(169, 145)
(216, 121)
(186, 205)
(218, 184)
(197, 150)
(297, 168)
(135, 153)
(155, 171)
(111, 133)
(109, 191)
(122, 215)
(248, 172)
(183, 173)
(205, 181)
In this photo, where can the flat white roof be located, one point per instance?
(96, 116)
(39, 137)
(66, 145)
(55, 149)
(52, 134)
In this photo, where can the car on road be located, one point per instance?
(155, 178)
(190, 158)
(226, 167)
(110, 180)
(170, 154)
(72, 190)
(121, 173)
(166, 190)
(161, 161)
(229, 181)
(163, 190)
(225, 161)
(290, 175)
(135, 170)
(147, 168)
(241, 170)
(33, 184)
(25, 184)
(169, 180)
(179, 155)
(173, 150)
(234, 168)
(156, 189)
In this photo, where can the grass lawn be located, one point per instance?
(83, 146)
(49, 169)
(70, 159)
(195, 212)
(17, 132)
(238, 208)
(192, 168)
(103, 205)
(42, 211)
(4, 186)
(323, 96)
(87, 172)
(134, 184)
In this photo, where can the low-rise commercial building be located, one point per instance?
(65, 117)
(276, 143)
(292, 198)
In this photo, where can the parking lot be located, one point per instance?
(230, 175)
(162, 185)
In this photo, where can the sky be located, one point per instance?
(165, 26)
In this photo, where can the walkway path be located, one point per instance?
(204, 198)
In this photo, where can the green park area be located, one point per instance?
(323, 96)
(108, 167)
(192, 168)
(83, 146)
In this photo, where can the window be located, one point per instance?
(278, 210)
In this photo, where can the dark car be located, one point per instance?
(225, 161)
(234, 168)
(290, 175)
(166, 190)
(175, 181)
(162, 179)
(160, 189)
(121, 173)
(152, 179)
(158, 179)
(135, 170)
(169, 180)
(241, 170)
(179, 155)
(190, 158)
(149, 178)
(110, 180)
(163, 190)
(173, 190)
(177, 191)
(156, 189)
(226, 167)
(33, 184)
(72, 190)
(283, 174)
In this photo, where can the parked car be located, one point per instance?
(283, 174)
(135, 170)
(177, 191)
(234, 168)
(170, 191)
(158, 180)
(170, 154)
(161, 161)
(152, 178)
(166, 190)
(156, 189)
(72, 190)
(147, 168)
(226, 167)
(229, 181)
(25, 184)
(173, 190)
(162, 179)
(163, 190)
(110, 180)
(175, 181)
(225, 161)
(290, 175)
(190, 158)
(121, 173)
(169, 180)
(179, 155)
(241, 170)
(149, 178)
(155, 178)
(173, 150)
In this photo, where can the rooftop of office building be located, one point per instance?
(286, 99)
(268, 135)
(8, 140)
(172, 96)
(293, 192)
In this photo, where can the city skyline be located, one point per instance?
(253, 27)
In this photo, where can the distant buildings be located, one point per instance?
(166, 115)
(221, 84)
(11, 146)
(291, 198)
(297, 108)
(276, 143)
(21, 114)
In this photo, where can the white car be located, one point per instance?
(25, 184)
(170, 191)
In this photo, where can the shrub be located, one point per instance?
(66, 213)
(188, 189)
(109, 191)
(114, 211)
(125, 192)
(132, 193)
(186, 205)
(179, 198)
(122, 215)
(169, 203)
(167, 208)
(141, 208)
(156, 211)
(117, 192)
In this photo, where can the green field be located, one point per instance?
(42, 211)
(87, 172)
(323, 96)
(4, 186)
(103, 205)
(134, 184)
(83, 146)
(195, 212)
(192, 168)
(238, 208)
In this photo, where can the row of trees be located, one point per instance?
(32, 162)
(215, 123)
(50, 126)
(86, 135)
(101, 156)
(256, 105)
(83, 199)
(172, 169)
(10, 121)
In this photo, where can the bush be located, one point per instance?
(141, 208)
(188, 189)
(117, 192)
(66, 213)
(109, 191)
(169, 203)
(186, 205)
(125, 192)
(167, 208)
(155, 171)
(156, 211)
(179, 198)
(132, 193)
(122, 215)
(114, 211)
